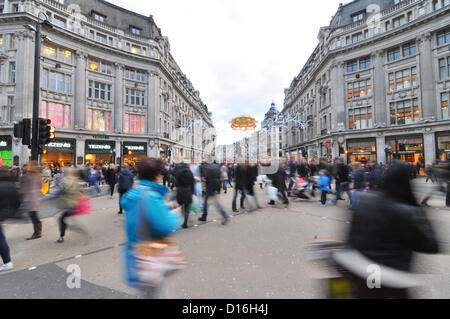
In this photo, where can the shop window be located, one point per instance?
(99, 120)
(404, 112)
(58, 113)
(134, 124)
(444, 106)
(12, 41)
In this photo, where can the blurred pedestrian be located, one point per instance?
(126, 180)
(212, 181)
(9, 203)
(324, 186)
(279, 182)
(148, 218)
(342, 180)
(224, 177)
(185, 185)
(31, 190)
(111, 178)
(387, 228)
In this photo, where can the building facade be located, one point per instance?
(376, 86)
(108, 82)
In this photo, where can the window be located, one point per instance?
(134, 124)
(352, 66)
(364, 63)
(393, 54)
(60, 22)
(49, 50)
(399, 21)
(15, 7)
(359, 16)
(404, 112)
(409, 49)
(99, 120)
(135, 49)
(359, 89)
(443, 37)
(12, 41)
(410, 16)
(1, 39)
(91, 35)
(97, 16)
(12, 72)
(135, 97)
(44, 79)
(438, 4)
(99, 66)
(403, 79)
(58, 113)
(444, 106)
(64, 55)
(98, 90)
(102, 38)
(360, 119)
(357, 37)
(135, 30)
(56, 81)
(444, 68)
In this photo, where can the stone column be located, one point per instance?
(6, 8)
(429, 141)
(153, 110)
(427, 82)
(80, 108)
(119, 108)
(24, 86)
(381, 145)
(337, 94)
(379, 106)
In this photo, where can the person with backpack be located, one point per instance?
(126, 180)
(9, 204)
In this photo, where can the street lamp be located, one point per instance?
(37, 84)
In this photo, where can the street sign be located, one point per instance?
(45, 181)
(164, 147)
(328, 144)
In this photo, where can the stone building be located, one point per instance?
(108, 81)
(377, 85)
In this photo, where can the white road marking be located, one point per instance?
(78, 256)
(32, 268)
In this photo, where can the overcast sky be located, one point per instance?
(240, 54)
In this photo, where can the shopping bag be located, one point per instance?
(196, 205)
(273, 193)
(156, 260)
(83, 207)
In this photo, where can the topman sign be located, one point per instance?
(99, 147)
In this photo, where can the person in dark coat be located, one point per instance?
(111, 178)
(342, 180)
(240, 183)
(9, 204)
(126, 180)
(279, 182)
(388, 227)
(375, 176)
(185, 189)
(212, 177)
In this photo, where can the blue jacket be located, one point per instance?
(324, 183)
(162, 222)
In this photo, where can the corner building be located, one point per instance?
(377, 85)
(109, 84)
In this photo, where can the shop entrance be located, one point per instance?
(407, 149)
(362, 150)
(100, 152)
(443, 146)
(60, 152)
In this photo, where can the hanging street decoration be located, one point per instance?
(243, 123)
(284, 121)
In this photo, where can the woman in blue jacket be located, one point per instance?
(147, 197)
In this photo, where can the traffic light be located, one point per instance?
(346, 152)
(23, 130)
(44, 134)
(130, 153)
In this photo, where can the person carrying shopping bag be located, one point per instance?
(150, 222)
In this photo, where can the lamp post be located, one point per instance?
(37, 84)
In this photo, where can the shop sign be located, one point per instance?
(136, 148)
(164, 147)
(94, 147)
(362, 153)
(5, 143)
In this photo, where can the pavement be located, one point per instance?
(258, 255)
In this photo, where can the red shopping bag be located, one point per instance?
(83, 207)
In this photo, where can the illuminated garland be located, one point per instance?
(243, 123)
